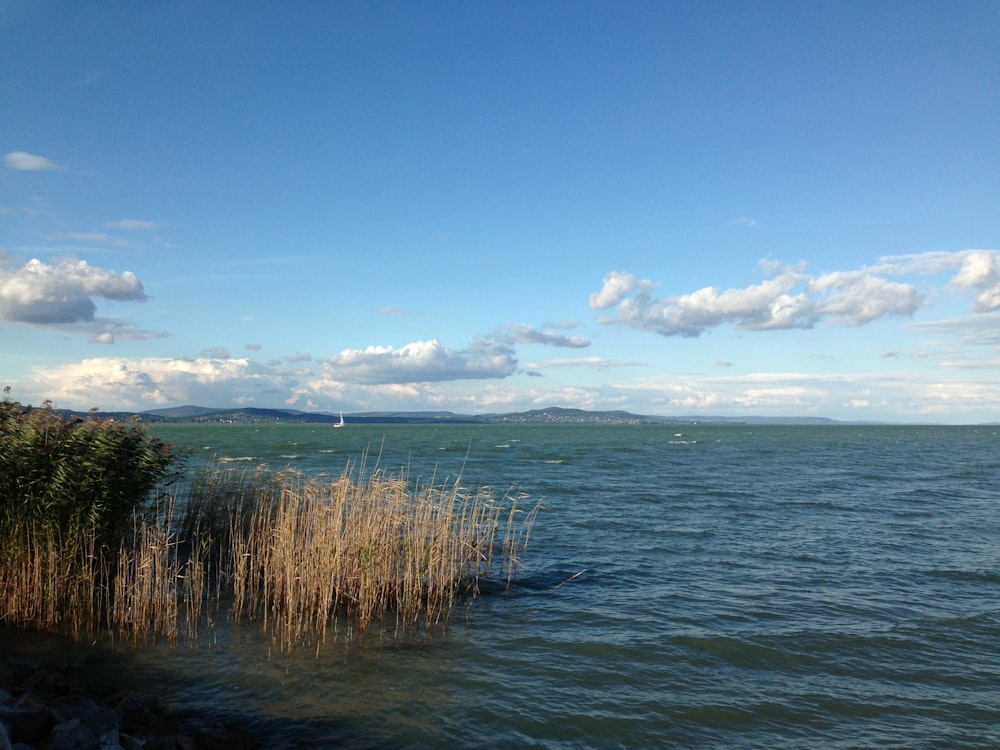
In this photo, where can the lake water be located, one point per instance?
(688, 586)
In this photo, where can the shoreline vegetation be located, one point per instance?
(95, 544)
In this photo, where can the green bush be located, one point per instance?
(74, 478)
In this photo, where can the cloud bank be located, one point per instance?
(145, 383)
(118, 383)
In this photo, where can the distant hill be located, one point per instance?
(550, 415)
(243, 415)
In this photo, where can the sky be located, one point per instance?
(673, 208)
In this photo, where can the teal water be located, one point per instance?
(695, 586)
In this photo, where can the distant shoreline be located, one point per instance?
(551, 415)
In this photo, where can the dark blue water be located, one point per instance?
(696, 586)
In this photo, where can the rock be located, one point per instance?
(100, 720)
(26, 724)
(46, 707)
(72, 735)
(135, 711)
(36, 678)
(110, 740)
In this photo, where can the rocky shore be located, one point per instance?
(67, 706)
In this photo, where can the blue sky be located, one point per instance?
(768, 208)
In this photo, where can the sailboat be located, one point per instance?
(341, 422)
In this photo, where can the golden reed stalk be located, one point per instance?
(276, 548)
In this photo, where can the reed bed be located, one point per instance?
(288, 552)
(295, 551)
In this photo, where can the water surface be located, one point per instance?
(694, 586)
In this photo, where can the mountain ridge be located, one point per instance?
(550, 415)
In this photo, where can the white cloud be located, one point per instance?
(988, 299)
(980, 271)
(420, 361)
(616, 285)
(876, 395)
(107, 331)
(102, 237)
(521, 333)
(26, 162)
(858, 297)
(133, 225)
(758, 307)
(791, 299)
(974, 330)
(975, 270)
(590, 362)
(116, 383)
(43, 294)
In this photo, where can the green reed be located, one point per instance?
(69, 489)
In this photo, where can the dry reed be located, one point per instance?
(294, 551)
(289, 552)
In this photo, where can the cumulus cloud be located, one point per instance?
(980, 271)
(43, 294)
(616, 286)
(26, 162)
(977, 271)
(420, 361)
(858, 297)
(790, 299)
